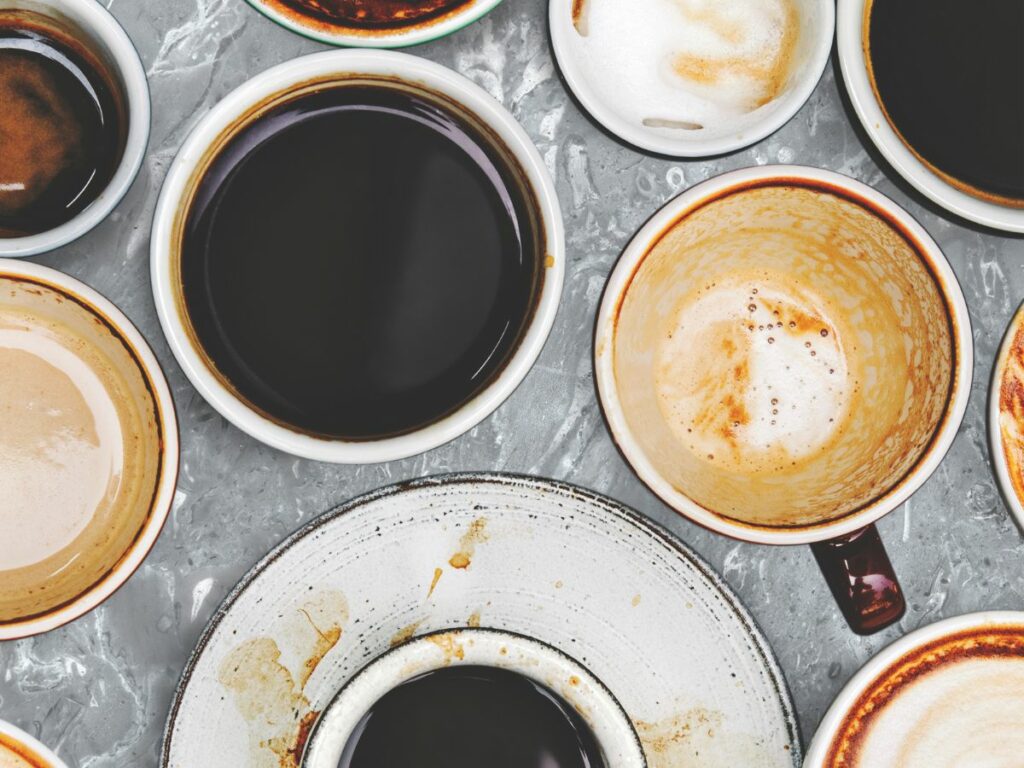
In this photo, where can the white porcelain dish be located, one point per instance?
(547, 561)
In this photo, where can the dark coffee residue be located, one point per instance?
(950, 75)
(470, 717)
(360, 261)
(375, 14)
(62, 125)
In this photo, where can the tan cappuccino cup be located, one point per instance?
(88, 449)
(784, 356)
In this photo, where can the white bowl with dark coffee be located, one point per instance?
(939, 88)
(357, 256)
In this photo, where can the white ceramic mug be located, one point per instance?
(537, 661)
(817, 26)
(861, 255)
(851, 34)
(225, 118)
(80, 570)
(885, 711)
(102, 34)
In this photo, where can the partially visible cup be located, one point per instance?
(948, 695)
(374, 23)
(88, 449)
(80, 152)
(559, 674)
(688, 79)
(785, 356)
(19, 750)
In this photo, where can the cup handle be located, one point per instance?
(862, 580)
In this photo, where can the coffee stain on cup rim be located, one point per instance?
(988, 642)
(344, 79)
(163, 416)
(920, 249)
(30, 757)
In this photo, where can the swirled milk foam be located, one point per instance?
(955, 703)
(686, 65)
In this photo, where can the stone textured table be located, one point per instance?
(98, 690)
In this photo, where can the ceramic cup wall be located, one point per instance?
(80, 570)
(213, 130)
(93, 24)
(809, 57)
(309, 20)
(895, 299)
(482, 647)
(20, 750)
(851, 38)
(896, 710)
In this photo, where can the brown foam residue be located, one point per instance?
(269, 697)
(769, 69)
(405, 634)
(449, 645)
(980, 643)
(1011, 410)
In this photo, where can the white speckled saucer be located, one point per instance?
(564, 566)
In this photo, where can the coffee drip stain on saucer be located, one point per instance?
(697, 736)
(476, 534)
(269, 696)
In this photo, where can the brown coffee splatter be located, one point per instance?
(474, 620)
(476, 534)
(268, 696)
(697, 737)
(405, 634)
(449, 645)
(438, 572)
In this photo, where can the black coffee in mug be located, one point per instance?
(949, 75)
(361, 260)
(472, 717)
(63, 124)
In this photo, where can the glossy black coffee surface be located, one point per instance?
(472, 717)
(62, 125)
(950, 75)
(359, 262)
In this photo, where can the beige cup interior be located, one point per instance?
(47, 408)
(783, 356)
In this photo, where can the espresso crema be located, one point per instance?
(955, 703)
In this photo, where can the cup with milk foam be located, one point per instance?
(784, 356)
(692, 78)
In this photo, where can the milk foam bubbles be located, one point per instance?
(963, 715)
(685, 65)
(752, 375)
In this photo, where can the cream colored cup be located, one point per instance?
(88, 449)
(19, 750)
(784, 356)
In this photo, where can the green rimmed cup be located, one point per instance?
(332, 22)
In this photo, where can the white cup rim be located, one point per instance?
(98, 20)
(30, 742)
(852, 61)
(618, 284)
(995, 434)
(395, 39)
(561, 26)
(277, 80)
(817, 753)
(164, 493)
(475, 646)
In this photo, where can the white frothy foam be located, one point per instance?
(751, 376)
(962, 715)
(674, 65)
